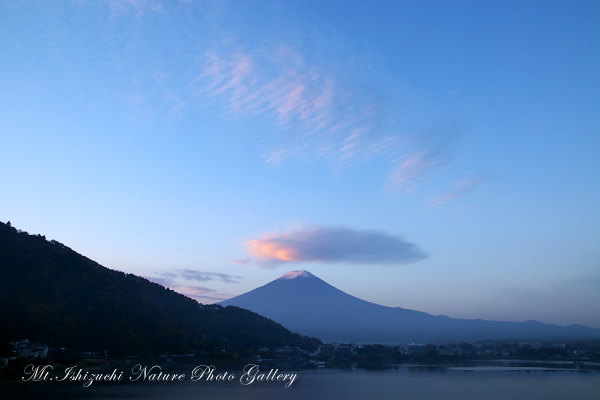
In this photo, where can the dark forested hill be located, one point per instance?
(50, 293)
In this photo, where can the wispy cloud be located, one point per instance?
(202, 276)
(431, 149)
(318, 113)
(316, 110)
(268, 85)
(459, 189)
(168, 278)
(181, 280)
(333, 245)
(166, 282)
(311, 108)
(411, 170)
(200, 293)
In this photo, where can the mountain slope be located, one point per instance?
(307, 304)
(50, 293)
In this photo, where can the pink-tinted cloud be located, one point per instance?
(411, 169)
(316, 114)
(182, 281)
(240, 69)
(291, 101)
(310, 109)
(333, 245)
(199, 293)
(300, 99)
(289, 95)
(351, 144)
(460, 188)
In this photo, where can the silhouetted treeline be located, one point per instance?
(51, 294)
(464, 351)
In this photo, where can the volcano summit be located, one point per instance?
(302, 302)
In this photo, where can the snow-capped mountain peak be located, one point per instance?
(297, 274)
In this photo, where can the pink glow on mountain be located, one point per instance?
(297, 274)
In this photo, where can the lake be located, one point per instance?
(401, 382)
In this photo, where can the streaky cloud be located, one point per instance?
(179, 281)
(432, 149)
(199, 292)
(193, 275)
(459, 189)
(166, 282)
(412, 168)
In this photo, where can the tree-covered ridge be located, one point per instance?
(50, 293)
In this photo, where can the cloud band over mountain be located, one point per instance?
(334, 245)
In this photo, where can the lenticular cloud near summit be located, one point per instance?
(334, 245)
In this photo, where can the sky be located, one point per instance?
(438, 156)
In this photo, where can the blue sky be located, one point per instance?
(440, 156)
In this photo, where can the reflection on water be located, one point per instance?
(511, 379)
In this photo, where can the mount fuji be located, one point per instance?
(302, 302)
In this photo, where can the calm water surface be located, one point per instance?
(403, 382)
